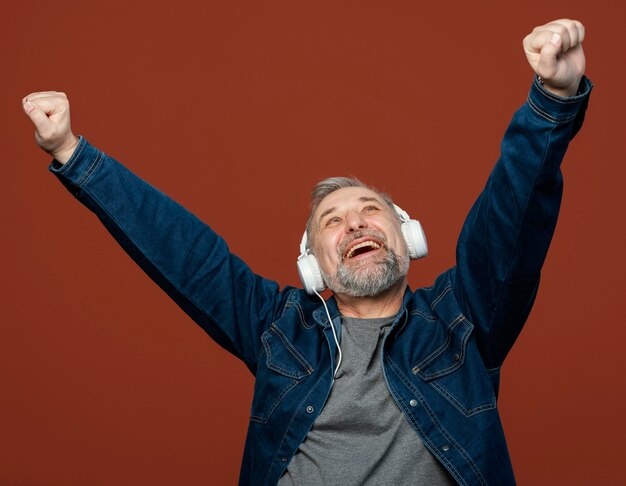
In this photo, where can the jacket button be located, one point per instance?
(445, 448)
(413, 402)
(310, 409)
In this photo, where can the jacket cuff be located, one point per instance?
(79, 167)
(557, 109)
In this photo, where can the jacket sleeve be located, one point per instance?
(188, 260)
(506, 235)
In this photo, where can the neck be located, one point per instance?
(385, 304)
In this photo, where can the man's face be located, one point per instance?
(358, 243)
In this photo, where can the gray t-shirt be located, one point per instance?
(361, 436)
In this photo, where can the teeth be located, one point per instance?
(362, 245)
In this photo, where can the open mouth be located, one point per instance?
(361, 248)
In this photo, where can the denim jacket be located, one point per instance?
(442, 356)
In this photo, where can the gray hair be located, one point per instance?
(327, 186)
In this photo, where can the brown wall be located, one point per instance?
(235, 109)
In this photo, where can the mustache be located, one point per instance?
(348, 240)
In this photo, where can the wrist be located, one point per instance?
(64, 154)
(563, 92)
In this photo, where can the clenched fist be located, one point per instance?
(50, 113)
(555, 52)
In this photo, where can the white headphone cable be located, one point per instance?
(332, 326)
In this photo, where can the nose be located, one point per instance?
(355, 222)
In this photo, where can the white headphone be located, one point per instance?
(309, 269)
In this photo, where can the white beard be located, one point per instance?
(367, 278)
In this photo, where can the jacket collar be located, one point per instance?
(319, 314)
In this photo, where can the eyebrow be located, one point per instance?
(361, 199)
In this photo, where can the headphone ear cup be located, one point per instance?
(415, 239)
(310, 274)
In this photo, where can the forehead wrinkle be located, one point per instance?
(360, 199)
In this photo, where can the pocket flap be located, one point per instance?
(282, 356)
(449, 355)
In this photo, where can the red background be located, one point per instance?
(236, 109)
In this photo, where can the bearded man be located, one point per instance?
(380, 384)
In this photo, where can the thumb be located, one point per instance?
(547, 66)
(37, 116)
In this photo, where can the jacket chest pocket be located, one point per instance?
(283, 368)
(456, 371)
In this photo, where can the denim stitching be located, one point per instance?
(443, 293)
(301, 314)
(273, 366)
(422, 435)
(459, 406)
(433, 418)
(540, 112)
(292, 349)
(435, 421)
(289, 302)
(90, 170)
(426, 361)
(547, 116)
(462, 351)
(293, 416)
(419, 312)
(264, 419)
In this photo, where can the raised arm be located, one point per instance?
(506, 236)
(179, 252)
